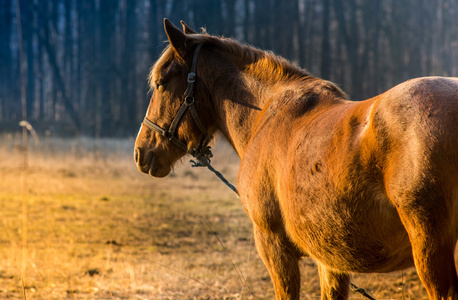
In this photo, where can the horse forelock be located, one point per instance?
(164, 58)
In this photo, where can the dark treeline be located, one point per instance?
(87, 60)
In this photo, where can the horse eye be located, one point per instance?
(160, 85)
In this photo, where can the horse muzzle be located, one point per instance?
(147, 162)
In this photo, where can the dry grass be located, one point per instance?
(98, 229)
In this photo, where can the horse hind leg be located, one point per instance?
(435, 265)
(429, 224)
(334, 285)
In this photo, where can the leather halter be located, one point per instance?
(189, 104)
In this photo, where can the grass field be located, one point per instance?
(99, 229)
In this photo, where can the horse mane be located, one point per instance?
(252, 58)
(265, 65)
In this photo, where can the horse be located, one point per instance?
(359, 186)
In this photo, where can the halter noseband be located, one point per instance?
(202, 151)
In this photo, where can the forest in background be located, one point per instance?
(87, 60)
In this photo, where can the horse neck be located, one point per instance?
(241, 81)
(240, 101)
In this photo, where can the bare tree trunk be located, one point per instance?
(106, 50)
(325, 47)
(128, 73)
(45, 40)
(5, 58)
(351, 39)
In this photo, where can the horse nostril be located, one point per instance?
(137, 155)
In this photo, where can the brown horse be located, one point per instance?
(368, 186)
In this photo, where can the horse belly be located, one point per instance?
(350, 237)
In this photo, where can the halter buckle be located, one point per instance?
(192, 77)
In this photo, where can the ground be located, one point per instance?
(82, 223)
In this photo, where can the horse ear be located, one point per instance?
(186, 28)
(176, 38)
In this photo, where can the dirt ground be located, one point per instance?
(83, 223)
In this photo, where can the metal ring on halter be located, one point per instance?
(188, 103)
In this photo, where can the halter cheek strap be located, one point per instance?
(202, 151)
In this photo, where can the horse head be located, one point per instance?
(175, 123)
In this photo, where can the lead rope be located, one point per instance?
(362, 291)
(203, 160)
